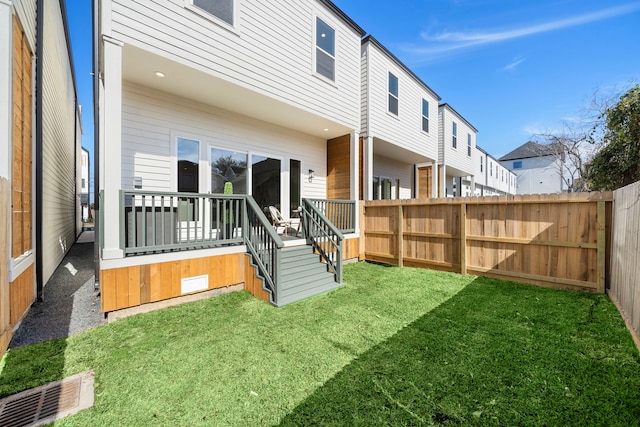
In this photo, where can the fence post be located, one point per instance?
(399, 234)
(463, 239)
(362, 230)
(601, 246)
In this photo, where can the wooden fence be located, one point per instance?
(558, 241)
(625, 254)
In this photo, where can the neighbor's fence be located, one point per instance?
(551, 240)
(625, 252)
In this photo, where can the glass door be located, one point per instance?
(265, 181)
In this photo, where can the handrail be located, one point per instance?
(342, 213)
(264, 244)
(325, 238)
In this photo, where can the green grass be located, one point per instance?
(395, 346)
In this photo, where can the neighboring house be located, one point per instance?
(538, 167)
(194, 94)
(40, 139)
(491, 178)
(457, 142)
(84, 184)
(399, 128)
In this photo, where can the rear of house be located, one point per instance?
(456, 153)
(40, 128)
(194, 95)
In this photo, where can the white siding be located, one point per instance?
(26, 11)
(152, 120)
(480, 173)
(538, 175)
(59, 144)
(405, 129)
(270, 50)
(393, 169)
(456, 157)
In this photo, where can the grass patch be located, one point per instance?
(395, 346)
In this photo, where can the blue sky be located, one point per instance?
(511, 68)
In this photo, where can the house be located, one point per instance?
(538, 168)
(40, 128)
(457, 141)
(192, 95)
(491, 178)
(399, 128)
(84, 185)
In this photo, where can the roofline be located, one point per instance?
(376, 43)
(482, 149)
(335, 9)
(446, 105)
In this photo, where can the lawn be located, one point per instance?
(395, 346)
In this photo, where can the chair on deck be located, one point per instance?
(278, 221)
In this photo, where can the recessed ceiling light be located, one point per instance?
(326, 130)
(159, 74)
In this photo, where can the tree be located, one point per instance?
(617, 164)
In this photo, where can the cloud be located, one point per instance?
(451, 41)
(514, 64)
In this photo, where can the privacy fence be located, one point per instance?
(559, 241)
(625, 253)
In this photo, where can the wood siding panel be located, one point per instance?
(339, 168)
(22, 294)
(556, 241)
(59, 144)
(5, 251)
(425, 182)
(351, 248)
(21, 223)
(252, 283)
(132, 286)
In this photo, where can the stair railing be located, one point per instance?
(264, 245)
(324, 237)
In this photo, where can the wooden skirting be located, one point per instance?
(132, 286)
(350, 248)
(22, 295)
(252, 283)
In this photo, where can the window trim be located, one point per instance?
(396, 96)
(188, 4)
(468, 145)
(314, 65)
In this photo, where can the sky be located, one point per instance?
(512, 68)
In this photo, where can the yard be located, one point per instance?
(395, 346)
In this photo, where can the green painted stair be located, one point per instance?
(302, 275)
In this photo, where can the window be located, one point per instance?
(221, 9)
(454, 139)
(188, 159)
(325, 50)
(425, 115)
(265, 180)
(469, 144)
(295, 171)
(393, 94)
(228, 166)
(481, 164)
(490, 169)
(517, 165)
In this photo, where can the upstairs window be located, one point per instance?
(490, 169)
(221, 9)
(393, 94)
(481, 164)
(469, 144)
(517, 165)
(325, 50)
(425, 115)
(454, 139)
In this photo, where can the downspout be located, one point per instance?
(39, 146)
(96, 145)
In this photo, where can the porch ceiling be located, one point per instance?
(392, 151)
(140, 67)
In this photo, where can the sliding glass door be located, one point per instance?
(265, 181)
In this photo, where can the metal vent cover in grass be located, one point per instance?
(45, 404)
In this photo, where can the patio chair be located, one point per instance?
(278, 221)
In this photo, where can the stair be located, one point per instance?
(302, 275)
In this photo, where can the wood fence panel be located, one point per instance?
(5, 251)
(550, 240)
(625, 253)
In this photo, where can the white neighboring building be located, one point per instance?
(84, 183)
(457, 142)
(538, 168)
(491, 178)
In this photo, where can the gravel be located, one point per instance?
(71, 304)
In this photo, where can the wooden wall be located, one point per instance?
(22, 294)
(132, 286)
(425, 182)
(552, 240)
(351, 248)
(5, 250)
(625, 254)
(339, 168)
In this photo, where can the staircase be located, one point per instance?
(303, 275)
